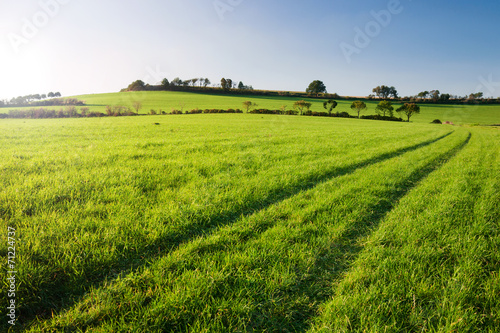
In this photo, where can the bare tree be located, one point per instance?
(248, 105)
(137, 106)
(300, 105)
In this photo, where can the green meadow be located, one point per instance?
(168, 101)
(252, 223)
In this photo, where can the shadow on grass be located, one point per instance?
(316, 286)
(64, 291)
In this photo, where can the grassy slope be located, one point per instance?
(234, 222)
(459, 114)
(166, 101)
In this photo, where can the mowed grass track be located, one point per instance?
(235, 222)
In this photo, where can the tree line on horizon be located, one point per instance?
(27, 99)
(316, 89)
(179, 84)
(432, 96)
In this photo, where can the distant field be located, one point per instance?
(167, 101)
(240, 222)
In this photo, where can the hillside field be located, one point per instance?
(167, 101)
(251, 223)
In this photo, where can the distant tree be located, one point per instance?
(176, 82)
(206, 82)
(182, 105)
(43, 96)
(385, 107)
(478, 95)
(301, 105)
(165, 84)
(423, 94)
(385, 91)
(50, 94)
(445, 97)
(137, 106)
(358, 106)
(135, 86)
(308, 106)
(57, 94)
(435, 95)
(248, 105)
(330, 105)
(226, 84)
(409, 109)
(109, 110)
(393, 92)
(316, 87)
(241, 86)
(193, 81)
(381, 91)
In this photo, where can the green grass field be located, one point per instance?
(167, 101)
(242, 223)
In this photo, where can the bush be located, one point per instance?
(316, 114)
(84, 111)
(71, 111)
(266, 111)
(379, 117)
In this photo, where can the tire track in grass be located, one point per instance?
(346, 248)
(306, 286)
(433, 265)
(188, 232)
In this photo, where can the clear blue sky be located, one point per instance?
(90, 46)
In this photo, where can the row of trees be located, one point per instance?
(436, 96)
(432, 96)
(317, 87)
(385, 92)
(29, 99)
(179, 84)
(384, 109)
